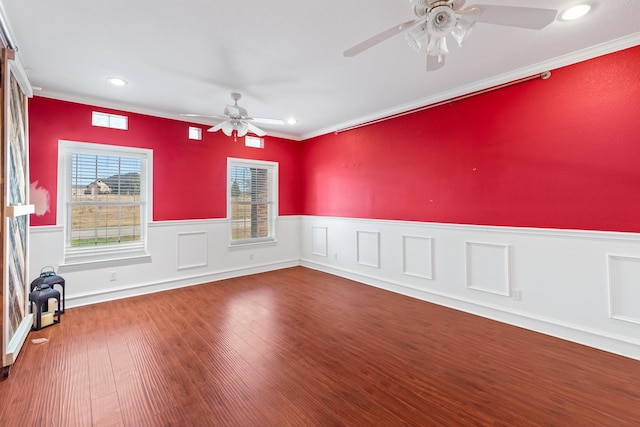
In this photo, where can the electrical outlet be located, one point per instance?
(517, 294)
(113, 276)
(250, 257)
(335, 256)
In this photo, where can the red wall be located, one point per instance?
(189, 177)
(558, 153)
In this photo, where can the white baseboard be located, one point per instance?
(116, 293)
(620, 345)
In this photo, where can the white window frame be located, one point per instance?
(195, 133)
(272, 176)
(112, 121)
(254, 141)
(102, 256)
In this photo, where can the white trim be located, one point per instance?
(575, 234)
(174, 222)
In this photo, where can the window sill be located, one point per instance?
(91, 263)
(253, 242)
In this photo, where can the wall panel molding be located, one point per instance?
(319, 242)
(417, 256)
(192, 250)
(368, 248)
(487, 267)
(624, 288)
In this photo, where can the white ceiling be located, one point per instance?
(284, 56)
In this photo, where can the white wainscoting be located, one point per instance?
(182, 253)
(582, 286)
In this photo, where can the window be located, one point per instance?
(253, 141)
(109, 120)
(252, 200)
(104, 200)
(195, 133)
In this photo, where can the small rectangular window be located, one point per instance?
(112, 121)
(195, 133)
(253, 141)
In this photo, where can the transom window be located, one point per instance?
(252, 196)
(106, 199)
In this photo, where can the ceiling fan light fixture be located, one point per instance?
(417, 38)
(228, 128)
(437, 46)
(242, 129)
(441, 20)
(462, 30)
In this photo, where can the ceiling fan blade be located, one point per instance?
(435, 62)
(255, 129)
(205, 116)
(266, 121)
(380, 37)
(215, 128)
(532, 18)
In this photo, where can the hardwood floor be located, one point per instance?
(298, 347)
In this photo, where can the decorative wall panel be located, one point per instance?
(369, 248)
(417, 256)
(319, 241)
(487, 267)
(192, 250)
(624, 288)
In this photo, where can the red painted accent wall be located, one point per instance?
(189, 177)
(557, 153)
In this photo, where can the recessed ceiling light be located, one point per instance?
(116, 81)
(292, 121)
(575, 12)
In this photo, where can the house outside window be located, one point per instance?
(252, 200)
(104, 200)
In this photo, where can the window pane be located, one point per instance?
(250, 203)
(106, 204)
(99, 224)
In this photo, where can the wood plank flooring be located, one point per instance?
(298, 347)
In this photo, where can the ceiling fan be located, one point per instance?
(436, 19)
(236, 120)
